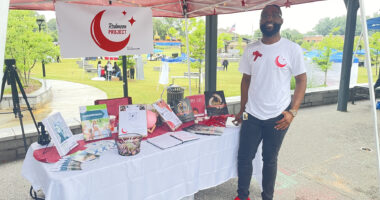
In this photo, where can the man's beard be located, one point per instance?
(276, 28)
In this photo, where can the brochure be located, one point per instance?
(204, 130)
(67, 164)
(60, 133)
(216, 103)
(132, 119)
(169, 117)
(100, 146)
(197, 103)
(182, 109)
(95, 122)
(83, 156)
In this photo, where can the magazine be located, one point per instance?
(216, 103)
(182, 109)
(204, 130)
(169, 117)
(184, 136)
(95, 122)
(132, 119)
(60, 133)
(197, 103)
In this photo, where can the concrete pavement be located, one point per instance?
(321, 158)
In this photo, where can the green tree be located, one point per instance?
(52, 29)
(196, 33)
(292, 35)
(224, 39)
(374, 44)
(173, 32)
(26, 44)
(326, 47)
(307, 45)
(257, 34)
(162, 25)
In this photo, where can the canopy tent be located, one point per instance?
(167, 8)
(210, 8)
(373, 23)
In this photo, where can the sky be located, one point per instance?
(301, 17)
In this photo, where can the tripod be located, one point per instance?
(12, 79)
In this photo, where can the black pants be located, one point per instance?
(252, 132)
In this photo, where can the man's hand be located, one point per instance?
(238, 119)
(285, 121)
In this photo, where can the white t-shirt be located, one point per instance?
(271, 68)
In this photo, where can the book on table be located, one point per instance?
(95, 122)
(197, 103)
(182, 109)
(60, 133)
(172, 139)
(167, 114)
(184, 136)
(204, 129)
(215, 103)
(132, 119)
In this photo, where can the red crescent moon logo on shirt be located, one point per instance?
(101, 40)
(279, 60)
(123, 131)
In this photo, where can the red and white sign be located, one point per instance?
(90, 31)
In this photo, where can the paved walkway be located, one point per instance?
(67, 97)
(321, 158)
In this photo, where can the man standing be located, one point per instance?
(266, 105)
(225, 64)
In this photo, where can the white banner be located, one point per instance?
(91, 31)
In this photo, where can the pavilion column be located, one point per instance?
(349, 36)
(211, 50)
(4, 8)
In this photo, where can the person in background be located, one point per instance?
(266, 107)
(109, 70)
(99, 68)
(132, 71)
(225, 64)
(117, 70)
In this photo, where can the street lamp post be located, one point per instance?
(39, 22)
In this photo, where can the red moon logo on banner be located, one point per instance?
(101, 40)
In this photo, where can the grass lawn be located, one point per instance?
(147, 91)
(362, 75)
(142, 91)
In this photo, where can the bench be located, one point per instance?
(361, 92)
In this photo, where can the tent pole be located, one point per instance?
(357, 46)
(4, 8)
(125, 80)
(367, 63)
(187, 54)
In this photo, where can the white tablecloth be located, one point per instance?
(153, 174)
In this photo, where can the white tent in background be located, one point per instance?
(164, 74)
(139, 68)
